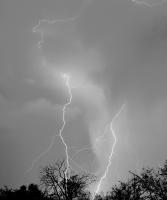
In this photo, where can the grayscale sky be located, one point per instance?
(115, 53)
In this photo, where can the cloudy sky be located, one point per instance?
(114, 53)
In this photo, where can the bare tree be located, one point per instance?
(153, 183)
(150, 184)
(53, 179)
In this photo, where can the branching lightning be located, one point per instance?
(67, 83)
(69, 87)
(112, 150)
(67, 78)
(36, 29)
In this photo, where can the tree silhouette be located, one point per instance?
(150, 184)
(53, 180)
(32, 192)
(6, 193)
(153, 183)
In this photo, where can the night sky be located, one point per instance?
(115, 55)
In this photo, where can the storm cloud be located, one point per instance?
(114, 52)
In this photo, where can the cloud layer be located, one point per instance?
(115, 53)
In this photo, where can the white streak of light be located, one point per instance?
(67, 82)
(112, 150)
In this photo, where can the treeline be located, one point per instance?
(150, 184)
(31, 192)
(57, 184)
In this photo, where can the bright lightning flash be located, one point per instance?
(66, 77)
(112, 150)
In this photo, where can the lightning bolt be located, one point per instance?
(66, 77)
(112, 150)
(36, 29)
(69, 88)
(67, 82)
